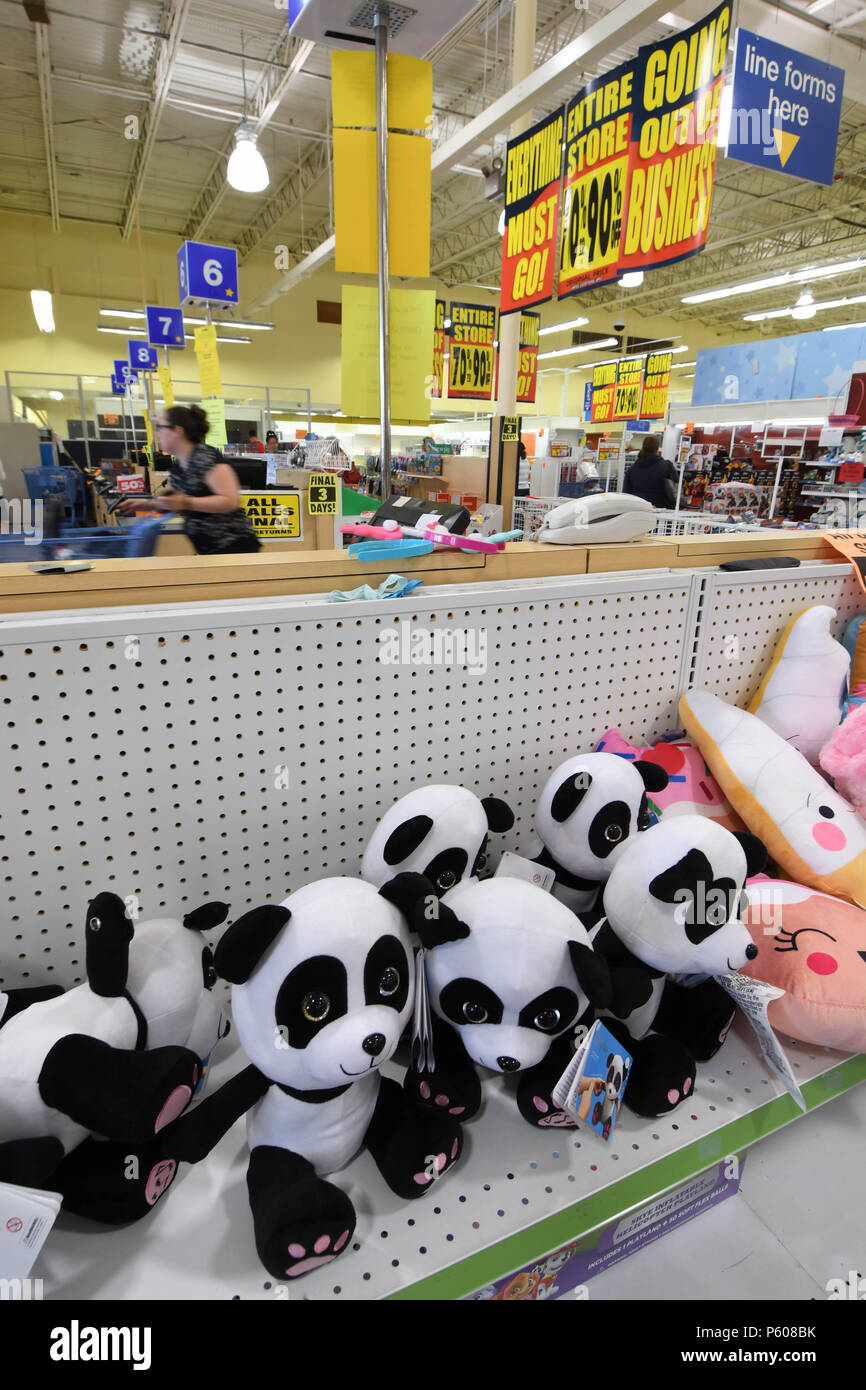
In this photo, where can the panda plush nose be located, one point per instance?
(508, 1063)
(373, 1044)
(751, 951)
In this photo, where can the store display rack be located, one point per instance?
(193, 719)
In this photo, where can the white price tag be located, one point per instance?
(754, 998)
(26, 1217)
(515, 866)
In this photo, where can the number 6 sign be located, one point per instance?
(207, 274)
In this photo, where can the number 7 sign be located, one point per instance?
(165, 327)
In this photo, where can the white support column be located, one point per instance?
(522, 64)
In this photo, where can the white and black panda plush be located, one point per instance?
(437, 831)
(507, 997)
(672, 906)
(604, 1111)
(588, 809)
(171, 977)
(77, 1064)
(323, 989)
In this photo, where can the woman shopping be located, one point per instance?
(202, 486)
(652, 477)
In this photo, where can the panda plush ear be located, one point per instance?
(755, 851)
(205, 917)
(415, 896)
(241, 948)
(406, 838)
(500, 816)
(654, 778)
(592, 973)
(568, 797)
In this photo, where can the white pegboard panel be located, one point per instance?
(198, 1243)
(147, 751)
(744, 614)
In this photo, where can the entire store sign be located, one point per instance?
(527, 362)
(640, 158)
(603, 392)
(533, 169)
(785, 109)
(629, 383)
(473, 334)
(657, 378)
(438, 351)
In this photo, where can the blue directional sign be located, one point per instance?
(587, 399)
(164, 326)
(123, 371)
(207, 274)
(118, 385)
(142, 358)
(785, 109)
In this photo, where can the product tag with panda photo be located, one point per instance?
(754, 998)
(515, 866)
(593, 1084)
(422, 1028)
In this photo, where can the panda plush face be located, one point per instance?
(438, 831)
(511, 986)
(328, 999)
(589, 808)
(616, 1074)
(675, 896)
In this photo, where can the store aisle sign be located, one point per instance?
(118, 385)
(473, 334)
(603, 392)
(785, 109)
(657, 378)
(142, 357)
(276, 516)
(207, 274)
(533, 176)
(527, 362)
(640, 158)
(123, 371)
(164, 326)
(629, 387)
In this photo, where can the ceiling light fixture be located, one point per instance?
(247, 170)
(805, 306)
(835, 327)
(198, 322)
(772, 281)
(631, 279)
(822, 304)
(130, 331)
(581, 347)
(43, 310)
(56, 395)
(561, 327)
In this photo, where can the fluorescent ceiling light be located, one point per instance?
(823, 304)
(678, 366)
(199, 322)
(804, 420)
(247, 171)
(467, 169)
(43, 310)
(684, 348)
(561, 327)
(500, 226)
(726, 104)
(673, 21)
(835, 327)
(631, 279)
(771, 281)
(125, 332)
(582, 347)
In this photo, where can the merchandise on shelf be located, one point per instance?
(439, 831)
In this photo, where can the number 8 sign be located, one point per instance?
(142, 358)
(207, 274)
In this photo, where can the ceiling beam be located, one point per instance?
(173, 23)
(43, 62)
(267, 96)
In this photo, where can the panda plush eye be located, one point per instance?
(474, 1013)
(547, 1020)
(390, 982)
(446, 879)
(717, 914)
(316, 1007)
(613, 833)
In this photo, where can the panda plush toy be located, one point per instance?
(507, 997)
(588, 809)
(78, 1064)
(604, 1110)
(323, 988)
(672, 906)
(439, 832)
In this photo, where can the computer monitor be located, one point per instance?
(251, 473)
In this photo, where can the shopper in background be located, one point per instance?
(272, 443)
(202, 486)
(255, 445)
(652, 477)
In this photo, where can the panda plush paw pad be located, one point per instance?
(421, 1149)
(114, 1183)
(121, 1095)
(460, 1098)
(300, 1220)
(539, 1109)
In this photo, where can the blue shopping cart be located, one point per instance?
(86, 543)
(60, 484)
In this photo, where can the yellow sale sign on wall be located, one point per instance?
(470, 374)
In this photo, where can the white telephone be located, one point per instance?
(602, 516)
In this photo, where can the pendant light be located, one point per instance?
(631, 279)
(805, 306)
(247, 170)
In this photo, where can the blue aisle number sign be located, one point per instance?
(164, 326)
(118, 385)
(123, 371)
(207, 274)
(141, 357)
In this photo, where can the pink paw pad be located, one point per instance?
(305, 1266)
(422, 1179)
(687, 1085)
(673, 1096)
(425, 1090)
(341, 1241)
(174, 1106)
(457, 1110)
(540, 1104)
(454, 1147)
(441, 1100)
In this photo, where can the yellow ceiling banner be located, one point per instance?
(356, 227)
(410, 92)
(208, 361)
(409, 205)
(353, 86)
(412, 316)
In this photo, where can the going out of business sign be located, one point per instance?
(785, 109)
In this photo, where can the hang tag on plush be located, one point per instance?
(422, 1027)
(515, 866)
(754, 998)
(591, 1088)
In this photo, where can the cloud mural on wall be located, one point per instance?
(792, 368)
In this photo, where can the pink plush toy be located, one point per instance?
(844, 759)
(691, 789)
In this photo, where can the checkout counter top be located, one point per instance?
(199, 578)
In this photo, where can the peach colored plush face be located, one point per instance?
(814, 947)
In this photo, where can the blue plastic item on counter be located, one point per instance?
(395, 586)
